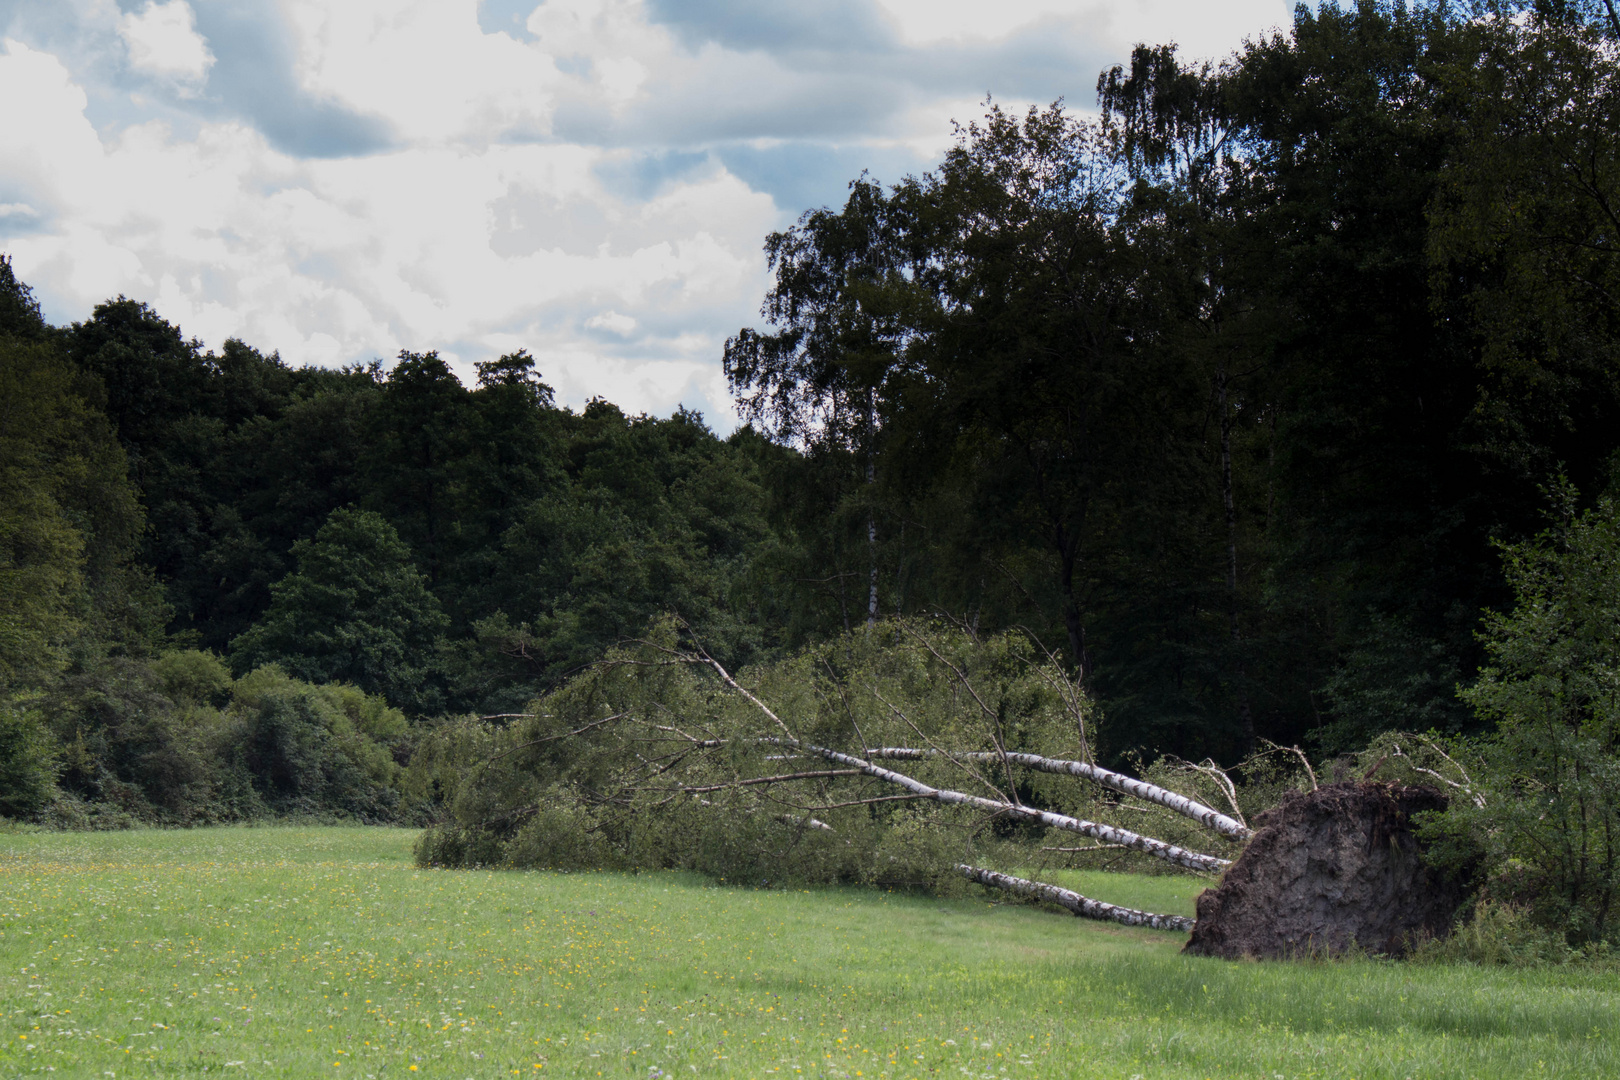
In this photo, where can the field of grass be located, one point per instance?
(308, 952)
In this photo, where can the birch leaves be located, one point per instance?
(888, 757)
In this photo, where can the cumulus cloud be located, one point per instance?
(163, 41)
(588, 179)
(612, 322)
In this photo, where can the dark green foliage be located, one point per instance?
(176, 741)
(417, 440)
(650, 516)
(27, 768)
(99, 724)
(1391, 680)
(224, 450)
(355, 610)
(42, 587)
(19, 311)
(1236, 389)
(1226, 397)
(307, 749)
(69, 520)
(1547, 818)
(192, 677)
(240, 459)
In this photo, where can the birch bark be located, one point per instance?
(1192, 860)
(1206, 816)
(1083, 906)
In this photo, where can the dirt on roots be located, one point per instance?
(1331, 870)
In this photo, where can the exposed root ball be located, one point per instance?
(1329, 869)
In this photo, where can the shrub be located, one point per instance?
(304, 752)
(192, 677)
(27, 765)
(1545, 825)
(1498, 934)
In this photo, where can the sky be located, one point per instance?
(592, 180)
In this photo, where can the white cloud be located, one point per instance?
(425, 66)
(612, 322)
(1201, 28)
(334, 260)
(163, 42)
(46, 149)
(572, 184)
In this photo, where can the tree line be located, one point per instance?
(1227, 399)
(1231, 393)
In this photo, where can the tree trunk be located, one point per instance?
(872, 595)
(1206, 816)
(1170, 853)
(1083, 906)
(871, 520)
(1068, 554)
(1229, 504)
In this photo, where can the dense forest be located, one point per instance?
(1229, 398)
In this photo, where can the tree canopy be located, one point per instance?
(1226, 398)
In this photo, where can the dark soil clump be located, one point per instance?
(1329, 870)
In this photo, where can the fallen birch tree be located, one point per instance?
(661, 757)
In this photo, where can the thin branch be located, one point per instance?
(1466, 788)
(1297, 752)
(1467, 780)
(809, 823)
(994, 718)
(952, 758)
(858, 802)
(694, 741)
(843, 697)
(725, 677)
(783, 778)
(554, 738)
(1083, 850)
(1072, 698)
(703, 658)
(1208, 768)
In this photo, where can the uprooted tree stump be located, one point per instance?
(1329, 870)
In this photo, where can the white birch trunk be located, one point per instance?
(1083, 906)
(1110, 834)
(1197, 811)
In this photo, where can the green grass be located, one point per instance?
(308, 952)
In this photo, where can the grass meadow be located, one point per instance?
(302, 952)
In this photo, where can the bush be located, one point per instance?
(1543, 818)
(193, 677)
(305, 752)
(27, 765)
(176, 741)
(1498, 934)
